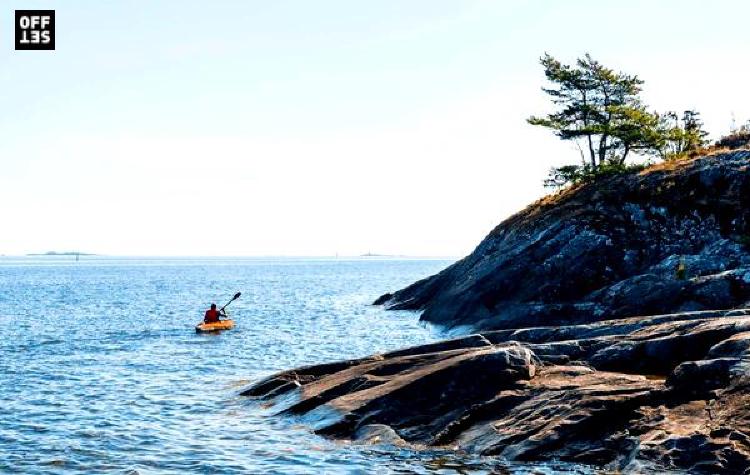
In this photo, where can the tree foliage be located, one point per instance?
(737, 138)
(600, 109)
(680, 136)
(598, 106)
(561, 176)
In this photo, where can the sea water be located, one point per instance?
(101, 370)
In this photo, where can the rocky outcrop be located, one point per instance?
(609, 248)
(635, 394)
(561, 369)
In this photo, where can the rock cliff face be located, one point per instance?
(605, 250)
(563, 368)
(638, 394)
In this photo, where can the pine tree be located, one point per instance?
(599, 107)
(680, 136)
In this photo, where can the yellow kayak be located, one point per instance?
(214, 327)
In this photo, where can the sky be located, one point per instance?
(260, 128)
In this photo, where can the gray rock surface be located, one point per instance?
(609, 248)
(563, 367)
(640, 394)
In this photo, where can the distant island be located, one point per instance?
(56, 253)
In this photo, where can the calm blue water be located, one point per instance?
(101, 371)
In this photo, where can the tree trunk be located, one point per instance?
(603, 148)
(586, 124)
(605, 136)
(591, 151)
(580, 151)
(624, 155)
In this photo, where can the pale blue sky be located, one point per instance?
(310, 128)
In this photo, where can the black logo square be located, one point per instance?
(35, 29)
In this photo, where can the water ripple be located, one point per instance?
(101, 371)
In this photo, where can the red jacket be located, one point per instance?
(211, 316)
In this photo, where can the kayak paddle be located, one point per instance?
(236, 296)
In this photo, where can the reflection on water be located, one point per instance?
(101, 370)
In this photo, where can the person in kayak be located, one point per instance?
(212, 315)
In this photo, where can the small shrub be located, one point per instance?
(575, 174)
(735, 140)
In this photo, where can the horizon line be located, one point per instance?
(242, 256)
